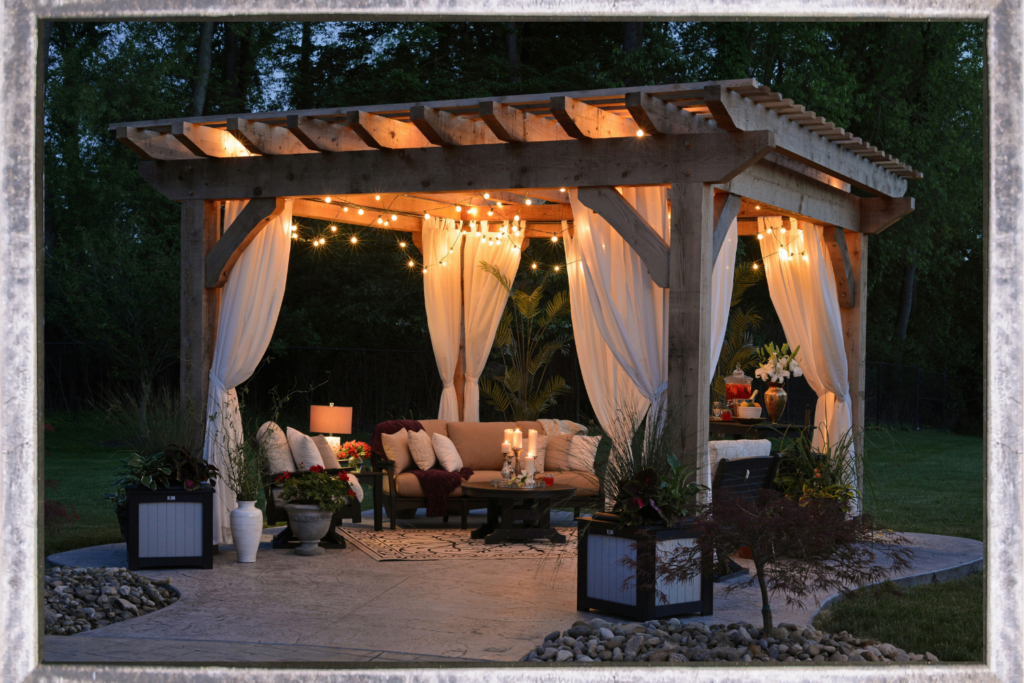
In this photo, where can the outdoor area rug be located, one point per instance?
(452, 544)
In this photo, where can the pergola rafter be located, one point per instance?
(725, 150)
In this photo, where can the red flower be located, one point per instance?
(817, 474)
(283, 476)
(316, 468)
(343, 476)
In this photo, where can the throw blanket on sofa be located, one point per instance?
(437, 484)
(390, 427)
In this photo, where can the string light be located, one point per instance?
(354, 239)
(322, 241)
(345, 209)
(294, 236)
(444, 263)
(556, 269)
(380, 221)
(427, 216)
(458, 209)
(334, 228)
(760, 236)
(769, 230)
(402, 245)
(516, 217)
(377, 198)
(755, 266)
(360, 212)
(487, 195)
(386, 224)
(561, 189)
(805, 257)
(534, 266)
(394, 217)
(327, 199)
(412, 264)
(640, 133)
(473, 211)
(782, 230)
(424, 271)
(499, 205)
(529, 201)
(554, 238)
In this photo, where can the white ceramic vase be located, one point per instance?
(246, 529)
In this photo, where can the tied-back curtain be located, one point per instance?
(629, 310)
(803, 291)
(609, 387)
(442, 288)
(484, 300)
(249, 305)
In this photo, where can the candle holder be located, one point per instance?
(518, 466)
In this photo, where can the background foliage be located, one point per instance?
(112, 243)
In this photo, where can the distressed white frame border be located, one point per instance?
(21, 471)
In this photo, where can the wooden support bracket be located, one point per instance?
(878, 213)
(513, 125)
(323, 136)
(152, 145)
(626, 221)
(846, 286)
(246, 226)
(442, 128)
(263, 138)
(204, 141)
(657, 117)
(585, 121)
(727, 208)
(381, 132)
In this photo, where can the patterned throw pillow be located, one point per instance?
(396, 448)
(540, 454)
(422, 450)
(583, 452)
(446, 452)
(275, 446)
(304, 451)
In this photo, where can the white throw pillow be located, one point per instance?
(396, 448)
(540, 453)
(582, 453)
(304, 450)
(275, 446)
(326, 452)
(446, 452)
(422, 450)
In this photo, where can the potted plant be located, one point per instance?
(243, 475)
(777, 365)
(357, 452)
(313, 498)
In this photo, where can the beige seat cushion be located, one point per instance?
(585, 482)
(479, 443)
(557, 455)
(408, 486)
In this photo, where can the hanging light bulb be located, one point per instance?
(354, 239)
(345, 209)
(473, 211)
(529, 202)
(444, 263)
(487, 195)
(757, 207)
(424, 271)
(561, 189)
(640, 133)
(292, 228)
(377, 198)
(557, 268)
(782, 230)
(412, 263)
(402, 245)
(805, 257)
(554, 238)
(783, 254)
(386, 224)
(458, 209)
(755, 266)
(516, 217)
(294, 236)
(490, 213)
(769, 231)
(360, 212)
(394, 216)
(427, 216)
(380, 221)
(334, 228)
(322, 241)
(534, 266)
(760, 236)
(327, 199)
(499, 205)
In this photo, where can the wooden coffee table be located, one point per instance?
(531, 508)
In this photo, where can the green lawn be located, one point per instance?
(927, 482)
(83, 469)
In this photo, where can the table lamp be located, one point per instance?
(329, 420)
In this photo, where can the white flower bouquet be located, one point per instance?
(778, 365)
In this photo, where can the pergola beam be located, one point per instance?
(544, 165)
(878, 213)
(585, 121)
(442, 128)
(628, 222)
(154, 146)
(322, 136)
(846, 287)
(243, 230)
(204, 141)
(727, 208)
(514, 125)
(732, 112)
(263, 138)
(382, 133)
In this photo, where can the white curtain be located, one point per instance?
(249, 305)
(803, 290)
(628, 308)
(442, 259)
(484, 300)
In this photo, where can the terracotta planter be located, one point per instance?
(309, 523)
(246, 529)
(775, 401)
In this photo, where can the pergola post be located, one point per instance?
(855, 340)
(689, 319)
(200, 230)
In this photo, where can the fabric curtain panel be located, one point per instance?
(249, 306)
(722, 275)
(803, 291)
(484, 299)
(609, 388)
(442, 288)
(628, 308)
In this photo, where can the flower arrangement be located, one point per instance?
(359, 450)
(778, 365)
(316, 487)
(650, 498)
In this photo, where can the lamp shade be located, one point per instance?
(330, 419)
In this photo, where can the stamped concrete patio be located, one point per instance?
(346, 607)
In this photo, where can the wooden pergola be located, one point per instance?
(726, 149)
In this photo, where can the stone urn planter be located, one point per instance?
(246, 529)
(309, 523)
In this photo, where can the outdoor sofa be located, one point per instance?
(479, 446)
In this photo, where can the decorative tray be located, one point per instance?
(499, 484)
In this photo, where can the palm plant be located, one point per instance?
(738, 348)
(522, 341)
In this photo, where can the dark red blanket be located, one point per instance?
(390, 427)
(437, 484)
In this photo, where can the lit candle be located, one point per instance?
(505, 447)
(517, 439)
(508, 436)
(531, 441)
(530, 469)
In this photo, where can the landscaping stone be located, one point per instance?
(79, 599)
(675, 641)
